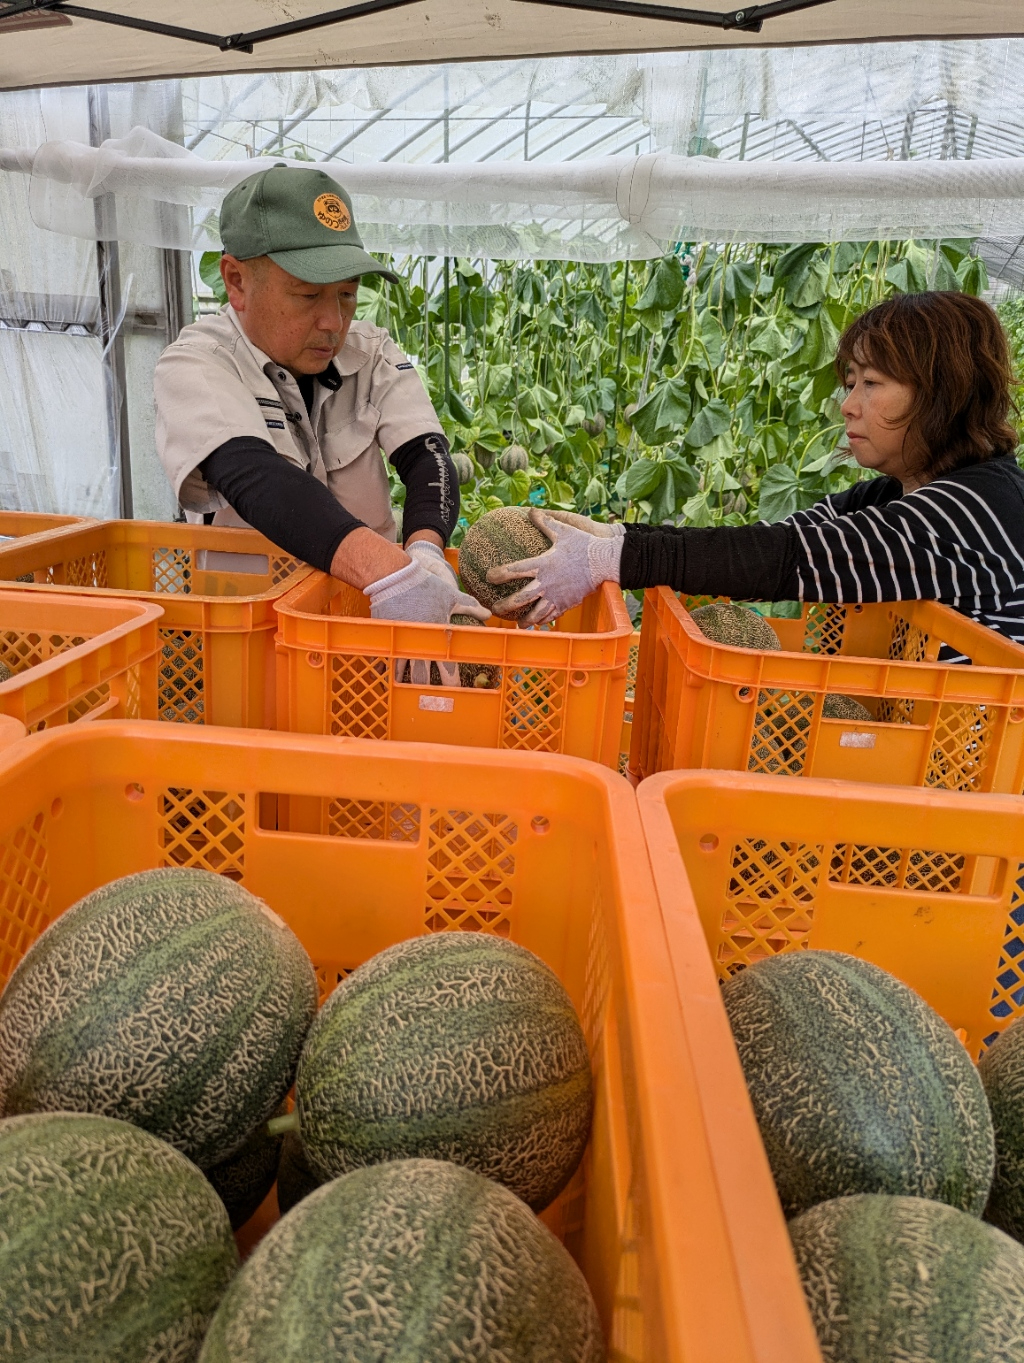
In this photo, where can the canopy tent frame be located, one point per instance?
(749, 20)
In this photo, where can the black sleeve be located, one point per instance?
(431, 485)
(747, 562)
(281, 501)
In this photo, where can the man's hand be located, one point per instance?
(575, 565)
(414, 594)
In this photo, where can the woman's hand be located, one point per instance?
(583, 554)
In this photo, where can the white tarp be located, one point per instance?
(54, 49)
(600, 209)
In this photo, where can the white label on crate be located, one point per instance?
(443, 704)
(857, 740)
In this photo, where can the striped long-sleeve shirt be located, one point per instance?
(958, 540)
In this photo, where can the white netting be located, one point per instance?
(511, 159)
(601, 209)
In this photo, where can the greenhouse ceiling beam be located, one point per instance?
(749, 20)
(234, 42)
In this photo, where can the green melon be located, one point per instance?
(857, 1084)
(5, 673)
(458, 1046)
(244, 1180)
(173, 999)
(463, 466)
(1002, 1072)
(113, 1247)
(726, 623)
(411, 1262)
(483, 676)
(836, 706)
(905, 1280)
(504, 535)
(295, 1179)
(514, 459)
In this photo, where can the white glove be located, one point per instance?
(575, 565)
(415, 594)
(433, 559)
(611, 530)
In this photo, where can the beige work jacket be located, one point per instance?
(212, 384)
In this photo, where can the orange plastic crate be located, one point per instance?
(217, 588)
(562, 690)
(18, 524)
(359, 845)
(702, 704)
(77, 659)
(925, 884)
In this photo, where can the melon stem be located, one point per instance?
(277, 1126)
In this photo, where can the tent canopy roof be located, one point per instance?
(48, 42)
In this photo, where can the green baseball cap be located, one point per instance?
(302, 220)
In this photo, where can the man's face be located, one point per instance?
(300, 326)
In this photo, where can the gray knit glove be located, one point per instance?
(576, 564)
(415, 594)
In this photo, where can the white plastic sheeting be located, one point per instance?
(55, 49)
(601, 209)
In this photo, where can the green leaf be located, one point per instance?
(588, 309)
(973, 275)
(820, 342)
(718, 451)
(803, 274)
(740, 280)
(641, 478)
(664, 414)
(663, 503)
(500, 380)
(713, 336)
(209, 273)
(459, 410)
(778, 493)
(712, 420)
(697, 511)
(664, 288)
(766, 338)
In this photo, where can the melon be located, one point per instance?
(416, 1261)
(514, 459)
(726, 623)
(5, 673)
(504, 535)
(458, 1046)
(113, 1246)
(244, 1180)
(1002, 1073)
(463, 468)
(295, 1179)
(173, 999)
(483, 676)
(836, 706)
(858, 1086)
(906, 1280)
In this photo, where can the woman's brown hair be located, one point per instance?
(951, 350)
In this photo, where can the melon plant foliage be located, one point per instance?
(697, 388)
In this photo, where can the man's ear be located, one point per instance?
(236, 280)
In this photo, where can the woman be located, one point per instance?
(927, 382)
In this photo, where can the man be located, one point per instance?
(273, 412)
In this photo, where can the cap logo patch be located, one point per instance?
(332, 212)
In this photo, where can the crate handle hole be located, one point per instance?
(540, 824)
(133, 791)
(315, 659)
(57, 808)
(578, 678)
(708, 843)
(745, 693)
(1016, 715)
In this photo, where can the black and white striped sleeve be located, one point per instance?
(941, 542)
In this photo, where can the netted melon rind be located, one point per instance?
(726, 623)
(858, 1085)
(415, 1259)
(173, 999)
(838, 706)
(113, 1246)
(1002, 1073)
(504, 535)
(905, 1278)
(457, 1046)
(5, 673)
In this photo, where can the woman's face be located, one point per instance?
(876, 414)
